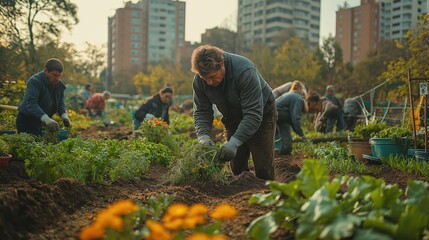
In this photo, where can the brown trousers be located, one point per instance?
(261, 145)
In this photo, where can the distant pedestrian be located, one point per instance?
(97, 103)
(330, 95)
(155, 107)
(352, 108)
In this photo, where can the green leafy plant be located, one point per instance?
(157, 131)
(199, 164)
(312, 207)
(365, 132)
(4, 148)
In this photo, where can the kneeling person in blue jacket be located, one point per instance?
(43, 98)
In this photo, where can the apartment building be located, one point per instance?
(143, 33)
(357, 30)
(360, 29)
(265, 21)
(398, 16)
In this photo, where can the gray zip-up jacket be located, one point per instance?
(241, 98)
(39, 100)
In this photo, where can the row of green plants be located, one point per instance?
(86, 160)
(313, 207)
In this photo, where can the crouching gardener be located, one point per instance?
(43, 98)
(246, 102)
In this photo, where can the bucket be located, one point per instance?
(62, 134)
(358, 148)
(386, 147)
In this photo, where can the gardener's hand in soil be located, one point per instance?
(66, 120)
(205, 140)
(50, 123)
(229, 149)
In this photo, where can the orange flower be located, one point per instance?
(224, 211)
(198, 209)
(172, 222)
(178, 210)
(157, 231)
(192, 222)
(198, 236)
(219, 237)
(90, 232)
(123, 207)
(106, 218)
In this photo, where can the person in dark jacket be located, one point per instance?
(352, 109)
(155, 107)
(233, 84)
(290, 107)
(330, 95)
(326, 112)
(43, 98)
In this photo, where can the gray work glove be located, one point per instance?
(205, 140)
(149, 116)
(66, 120)
(50, 123)
(229, 150)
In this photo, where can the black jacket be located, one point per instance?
(155, 107)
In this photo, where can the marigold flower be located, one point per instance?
(198, 209)
(172, 223)
(192, 222)
(224, 211)
(198, 236)
(157, 231)
(107, 218)
(123, 207)
(93, 231)
(219, 237)
(178, 210)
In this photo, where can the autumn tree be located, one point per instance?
(27, 24)
(295, 61)
(417, 45)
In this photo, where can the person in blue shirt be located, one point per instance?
(290, 107)
(155, 107)
(43, 98)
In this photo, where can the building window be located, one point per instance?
(135, 21)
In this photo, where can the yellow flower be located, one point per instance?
(171, 222)
(157, 231)
(219, 237)
(90, 232)
(198, 236)
(192, 222)
(123, 207)
(224, 211)
(178, 210)
(198, 209)
(106, 218)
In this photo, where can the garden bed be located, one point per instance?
(30, 209)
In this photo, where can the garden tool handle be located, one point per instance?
(8, 107)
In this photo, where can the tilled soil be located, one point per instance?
(30, 209)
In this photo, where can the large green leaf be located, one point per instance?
(312, 176)
(262, 227)
(343, 226)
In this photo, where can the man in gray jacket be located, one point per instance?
(43, 98)
(246, 102)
